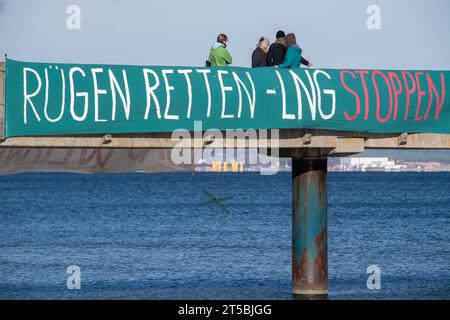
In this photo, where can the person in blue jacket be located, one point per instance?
(293, 57)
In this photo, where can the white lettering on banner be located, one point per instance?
(251, 99)
(330, 92)
(78, 94)
(224, 89)
(27, 97)
(189, 88)
(234, 93)
(63, 97)
(97, 92)
(205, 73)
(283, 98)
(151, 93)
(310, 96)
(114, 84)
(169, 88)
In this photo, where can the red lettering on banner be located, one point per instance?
(408, 91)
(420, 93)
(396, 90)
(353, 92)
(439, 100)
(377, 93)
(362, 73)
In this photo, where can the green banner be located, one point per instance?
(72, 99)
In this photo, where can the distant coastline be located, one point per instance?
(347, 164)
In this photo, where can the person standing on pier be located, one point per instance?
(219, 56)
(259, 56)
(293, 57)
(277, 50)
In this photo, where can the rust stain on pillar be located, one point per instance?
(309, 227)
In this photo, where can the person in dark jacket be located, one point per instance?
(277, 52)
(259, 56)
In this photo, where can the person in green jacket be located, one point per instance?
(293, 57)
(219, 55)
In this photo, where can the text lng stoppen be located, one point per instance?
(56, 99)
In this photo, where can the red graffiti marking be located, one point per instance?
(97, 153)
(42, 155)
(134, 155)
(17, 155)
(64, 161)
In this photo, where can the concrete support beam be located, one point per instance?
(338, 143)
(346, 146)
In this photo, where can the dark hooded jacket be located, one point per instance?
(275, 55)
(259, 58)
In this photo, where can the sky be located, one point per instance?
(332, 34)
(410, 34)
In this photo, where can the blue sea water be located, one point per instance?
(146, 236)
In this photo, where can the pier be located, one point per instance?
(309, 150)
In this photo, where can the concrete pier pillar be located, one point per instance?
(309, 227)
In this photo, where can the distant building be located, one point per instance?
(369, 164)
